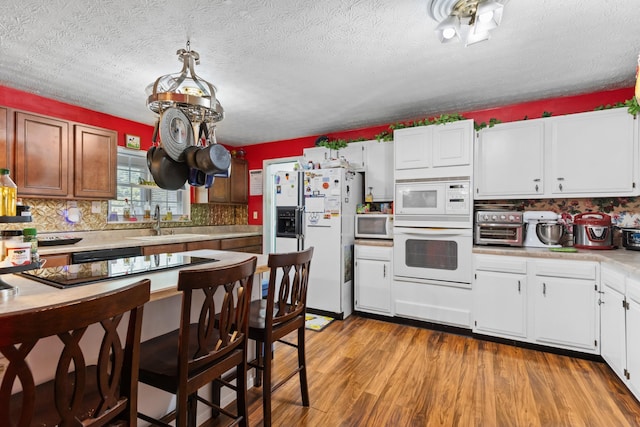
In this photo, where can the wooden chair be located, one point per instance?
(282, 312)
(186, 359)
(92, 395)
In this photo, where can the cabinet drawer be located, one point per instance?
(240, 242)
(57, 260)
(501, 263)
(571, 269)
(161, 249)
(383, 253)
(204, 244)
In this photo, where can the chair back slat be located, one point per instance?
(78, 395)
(289, 273)
(216, 334)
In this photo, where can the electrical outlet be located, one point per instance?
(96, 207)
(255, 214)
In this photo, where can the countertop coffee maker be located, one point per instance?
(543, 230)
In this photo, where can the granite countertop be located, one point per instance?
(624, 259)
(111, 239)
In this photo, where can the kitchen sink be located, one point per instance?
(170, 237)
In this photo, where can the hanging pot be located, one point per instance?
(166, 172)
(197, 177)
(214, 159)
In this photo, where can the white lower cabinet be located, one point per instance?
(373, 279)
(613, 346)
(620, 325)
(633, 335)
(546, 302)
(500, 296)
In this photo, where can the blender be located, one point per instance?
(542, 229)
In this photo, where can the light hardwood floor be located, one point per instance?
(365, 372)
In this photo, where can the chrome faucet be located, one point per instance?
(156, 216)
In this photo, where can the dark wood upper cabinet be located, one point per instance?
(51, 162)
(235, 189)
(5, 146)
(42, 151)
(95, 163)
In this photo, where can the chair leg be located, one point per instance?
(259, 347)
(215, 398)
(241, 394)
(266, 387)
(192, 411)
(304, 386)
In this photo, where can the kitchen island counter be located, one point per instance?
(33, 295)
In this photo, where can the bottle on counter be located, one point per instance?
(30, 235)
(369, 197)
(169, 214)
(8, 194)
(126, 211)
(147, 211)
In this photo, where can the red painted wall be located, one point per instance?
(47, 107)
(256, 154)
(558, 106)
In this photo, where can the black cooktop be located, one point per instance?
(91, 272)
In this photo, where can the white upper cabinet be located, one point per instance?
(453, 144)
(433, 149)
(316, 155)
(412, 147)
(379, 173)
(592, 154)
(509, 160)
(355, 154)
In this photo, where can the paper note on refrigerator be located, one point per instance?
(314, 204)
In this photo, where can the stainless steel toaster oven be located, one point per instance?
(504, 228)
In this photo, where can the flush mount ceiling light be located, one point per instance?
(194, 96)
(467, 20)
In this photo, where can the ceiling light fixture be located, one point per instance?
(467, 20)
(193, 95)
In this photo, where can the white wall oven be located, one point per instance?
(442, 202)
(433, 255)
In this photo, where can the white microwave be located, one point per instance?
(434, 203)
(374, 226)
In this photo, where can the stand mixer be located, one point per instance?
(548, 234)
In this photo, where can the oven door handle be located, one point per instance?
(440, 232)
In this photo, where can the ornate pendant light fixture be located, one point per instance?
(194, 96)
(467, 20)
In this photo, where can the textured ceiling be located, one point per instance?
(292, 68)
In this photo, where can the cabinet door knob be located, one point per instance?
(536, 188)
(560, 187)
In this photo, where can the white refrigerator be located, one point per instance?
(331, 196)
(289, 201)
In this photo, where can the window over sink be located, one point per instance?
(135, 185)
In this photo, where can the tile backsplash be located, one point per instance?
(49, 216)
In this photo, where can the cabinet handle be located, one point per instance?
(384, 271)
(560, 178)
(536, 188)
(544, 289)
(560, 187)
(518, 286)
